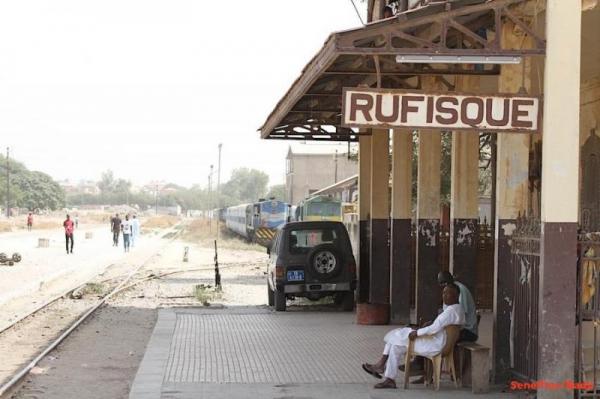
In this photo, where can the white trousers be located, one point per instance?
(396, 356)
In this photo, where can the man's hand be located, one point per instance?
(413, 335)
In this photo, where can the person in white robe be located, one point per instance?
(135, 230)
(429, 341)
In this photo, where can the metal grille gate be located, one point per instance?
(588, 312)
(525, 266)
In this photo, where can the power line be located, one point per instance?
(357, 12)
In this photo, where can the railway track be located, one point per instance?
(120, 283)
(11, 386)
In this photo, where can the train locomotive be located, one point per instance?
(257, 222)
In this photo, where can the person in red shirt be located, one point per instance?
(69, 227)
(29, 221)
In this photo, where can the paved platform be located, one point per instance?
(254, 352)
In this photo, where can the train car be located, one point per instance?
(268, 216)
(239, 220)
(319, 207)
(257, 222)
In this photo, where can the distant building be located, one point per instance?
(310, 167)
(80, 187)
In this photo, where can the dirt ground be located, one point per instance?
(100, 359)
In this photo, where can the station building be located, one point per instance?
(546, 197)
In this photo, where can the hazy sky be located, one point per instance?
(149, 88)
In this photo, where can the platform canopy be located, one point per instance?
(368, 57)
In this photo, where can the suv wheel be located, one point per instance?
(325, 260)
(271, 296)
(279, 301)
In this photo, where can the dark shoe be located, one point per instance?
(386, 384)
(369, 369)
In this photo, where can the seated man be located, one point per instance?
(429, 340)
(469, 331)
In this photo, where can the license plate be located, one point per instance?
(295, 275)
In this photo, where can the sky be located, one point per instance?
(149, 88)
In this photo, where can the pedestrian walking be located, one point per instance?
(69, 227)
(126, 229)
(29, 221)
(135, 230)
(115, 228)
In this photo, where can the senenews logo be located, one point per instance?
(543, 385)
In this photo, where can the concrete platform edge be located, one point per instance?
(149, 377)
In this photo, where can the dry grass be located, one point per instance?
(203, 232)
(159, 222)
(5, 227)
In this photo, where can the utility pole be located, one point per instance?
(7, 182)
(219, 188)
(156, 200)
(219, 177)
(335, 160)
(210, 196)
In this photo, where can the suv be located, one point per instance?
(312, 260)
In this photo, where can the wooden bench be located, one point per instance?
(477, 371)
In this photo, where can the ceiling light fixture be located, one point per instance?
(458, 59)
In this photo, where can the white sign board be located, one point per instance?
(387, 108)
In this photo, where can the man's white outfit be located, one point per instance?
(135, 230)
(430, 341)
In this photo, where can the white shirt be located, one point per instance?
(126, 227)
(468, 304)
(135, 227)
(432, 338)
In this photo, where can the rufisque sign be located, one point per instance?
(387, 108)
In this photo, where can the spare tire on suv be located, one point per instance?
(325, 261)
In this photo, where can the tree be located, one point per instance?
(107, 182)
(277, 191)
(30, 189)
(246, 185)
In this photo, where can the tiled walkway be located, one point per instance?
(250, 352)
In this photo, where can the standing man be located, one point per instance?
(126, 229)
(135, 230)
(115, 227)
(29, 221)
(69, 227)
(469, 331)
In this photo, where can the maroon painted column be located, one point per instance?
(428, 293)
(379, 280)
(400, 251)
(464, 202)
(364, 205)
(560, 195)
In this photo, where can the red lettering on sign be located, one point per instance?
(365, 107)
(517, 113)
(379, 112)
(464, 115)
(406, 108)
(441, 109)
